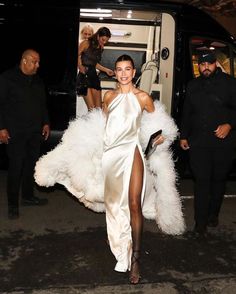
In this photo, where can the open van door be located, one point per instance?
(167, 55)
(148, 36)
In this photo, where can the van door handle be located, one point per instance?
(57, 92)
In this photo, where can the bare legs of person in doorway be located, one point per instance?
(93, 99)
(136, 217)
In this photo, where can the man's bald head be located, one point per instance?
(29, 63)
(29, 52)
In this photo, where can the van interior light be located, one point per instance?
(97, 10)
(212, 48)
(96, 14)
(119, 33)
(129, 14)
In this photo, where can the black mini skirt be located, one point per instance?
(92, 78)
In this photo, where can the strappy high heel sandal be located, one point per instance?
(134, 276)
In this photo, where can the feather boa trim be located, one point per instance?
(76, 163)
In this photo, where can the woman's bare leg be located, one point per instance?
(89, 99)
(136, 217)
(97, 97)
(93, 98)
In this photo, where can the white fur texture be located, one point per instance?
(162, 200)
(76, 163)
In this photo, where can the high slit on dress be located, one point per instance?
(120, 141)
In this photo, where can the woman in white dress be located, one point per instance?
(99, 160)
(124, 168)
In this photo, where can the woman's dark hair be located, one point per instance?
(101, 32)
(125, 57)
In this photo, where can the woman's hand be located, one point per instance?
(158, 140)
(110, 72)
(82, 69)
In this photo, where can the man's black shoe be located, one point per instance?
(34, 201)
(200, 231)
(13, 212)
(213, 222)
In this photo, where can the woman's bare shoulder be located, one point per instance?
(144, 99)
(84, 45)
(109, 96)
(140, 94)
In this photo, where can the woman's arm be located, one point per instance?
(107, 99)
(108, 71)
(104, 104)
(145, 101)
(149, 107)
(82, 47)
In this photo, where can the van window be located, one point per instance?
(222, 51)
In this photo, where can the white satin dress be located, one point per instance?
(120, 140)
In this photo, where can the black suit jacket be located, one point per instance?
(22, 102)
(209, 103)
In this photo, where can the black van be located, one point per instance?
(167, 34)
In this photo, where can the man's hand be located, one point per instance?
(46, 132)
(4, 136)
(222, 131)
(184, 144)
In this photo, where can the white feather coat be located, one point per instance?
(76, 163)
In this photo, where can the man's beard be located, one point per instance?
(207, 73)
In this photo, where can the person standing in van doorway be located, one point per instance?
(86, 32)
(81, 107)
(90, 52)
(23, 122)
(208, 131)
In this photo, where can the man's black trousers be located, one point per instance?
(210, 167)
(23, 152)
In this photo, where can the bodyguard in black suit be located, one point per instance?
(23, 122)
(208, 131)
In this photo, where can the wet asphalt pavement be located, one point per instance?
(62, 248)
